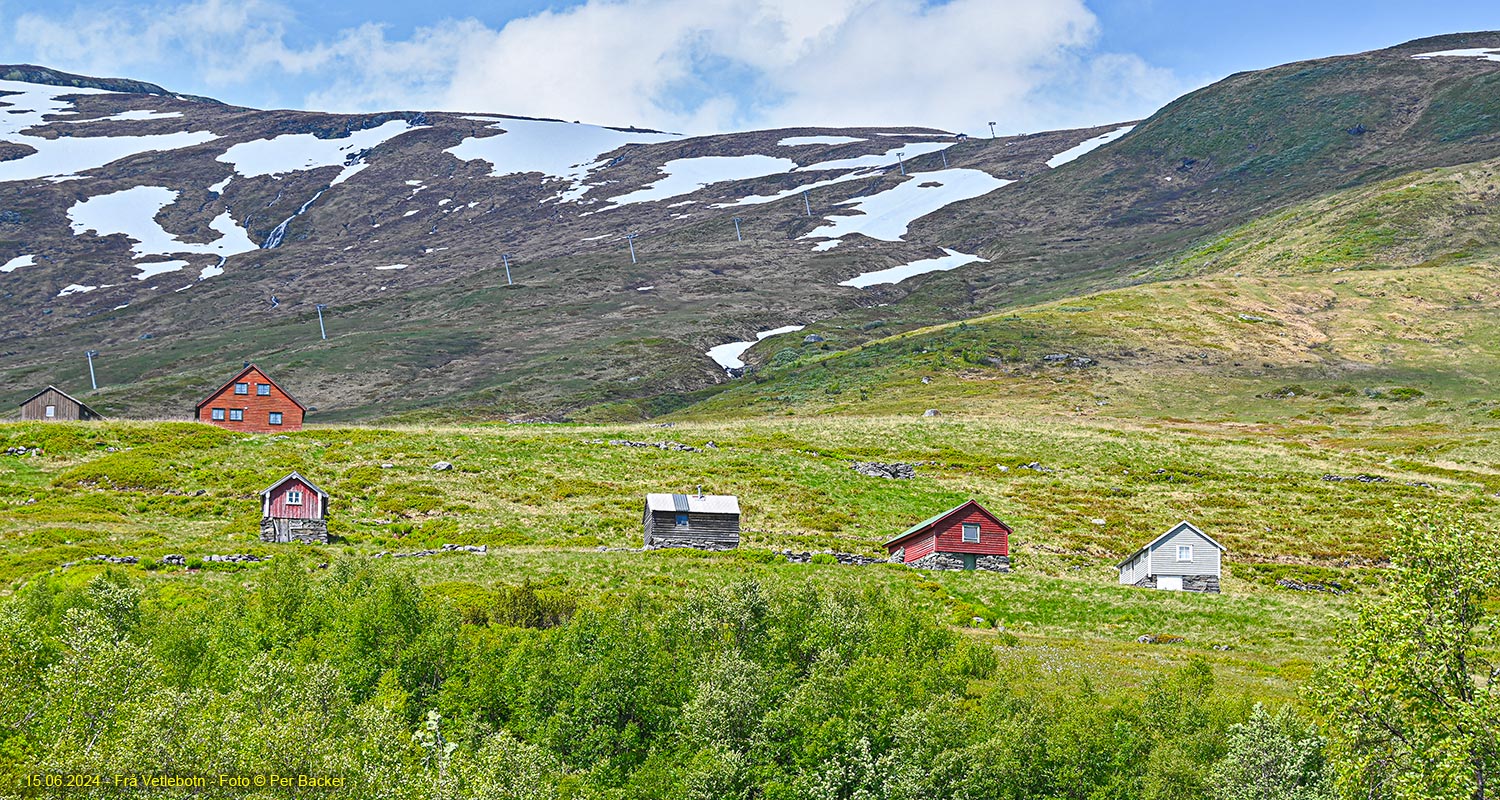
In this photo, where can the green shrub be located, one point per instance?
(757, 555)
(824, 558)
(1405, 393)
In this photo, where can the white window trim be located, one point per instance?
(51, 412)
(965, 531)
(1188, 548)
(294, 497)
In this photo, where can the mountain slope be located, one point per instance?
(181, 237)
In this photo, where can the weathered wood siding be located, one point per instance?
(277, 506)
(1164, 555)
(994, 540)
(257, 408)
(67, 409)
(916, 547)
(716, 528)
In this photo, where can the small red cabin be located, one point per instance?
(294, 509)
(252, 402)
(965, 537)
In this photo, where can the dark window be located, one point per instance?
(275, 418)
(218, 413)
(237, 414)
(242, 388)
(682, 519)
(263, 389)
(971, 532)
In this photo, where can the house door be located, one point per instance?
(284, 530)
(1171, 583)
(970, 560)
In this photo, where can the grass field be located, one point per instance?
(560, 505)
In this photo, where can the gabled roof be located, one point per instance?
(236, 379)
(51, 388)
(1170, 531)
(694, 503)
(932, 521)
(299, 477)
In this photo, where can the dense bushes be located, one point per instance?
(741, 691)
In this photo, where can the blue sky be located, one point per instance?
(710, 65)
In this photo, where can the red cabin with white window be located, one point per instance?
(964, 537)
(294, 509)
(252, 402)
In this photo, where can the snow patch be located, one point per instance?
(759, 199)
(953, 260)
(886, 159)
(1486, 53)
(1088, 146)
(75, 288)
(130, 115)
(887, 215)
(132, 212)
(157, 268)
(803, 141)
(394, 266)
(728, 355)
(66, 155)
(295, 152)
(219, 187)
(18, 262)
(688, 175)
(562, 151)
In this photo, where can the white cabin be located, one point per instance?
(1182, 559)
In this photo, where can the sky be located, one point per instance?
(707, 66)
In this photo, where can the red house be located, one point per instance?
(252, 402)
(294, 509)
(965, 537)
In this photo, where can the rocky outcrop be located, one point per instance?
(876, 469)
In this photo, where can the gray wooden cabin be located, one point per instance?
(1183, 559)
(708, 522)
(54, 405)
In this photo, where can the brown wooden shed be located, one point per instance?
(54, 405)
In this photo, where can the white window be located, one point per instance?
(294, 497)
(51, 412)
(237, 414)
(242, 388)
(971, 532)
(275, 417)
(1184, 552)
(218, 414)
(263, 389)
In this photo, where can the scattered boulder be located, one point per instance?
(1299, 586)
(387, 466)
(812, 338)
(877, 469)
(1156, 638)
(481, 549)
(931, 412)
(1362, 478)
(442, 466)
(1057, 358)
(174, 560)
(848, 559)
(678, 446)
(23, 451)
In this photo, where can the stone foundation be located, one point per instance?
(306, 531)
(955, 561)
(1190, 583)
(663, 542)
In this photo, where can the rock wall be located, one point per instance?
(661, 542)
(306, 531)
(955, 562)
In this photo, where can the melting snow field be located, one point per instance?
(66, 155)
(728, 355)
(18, 262)
(294, 152)
(953, 260)
(132, 212)
(800, 141)
(560, 150)
(758, 199)
(886, 159)
(1486, 53)
(159, 267)
(688, 175)
(131, 115)
(1088, 146)
(887, 215)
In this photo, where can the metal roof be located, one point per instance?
(1175, 528)
(694, 503)
(936, 518)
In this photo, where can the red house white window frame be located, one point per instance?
(971, 532)
(294, 497)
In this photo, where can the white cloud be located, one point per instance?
(686, 65)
